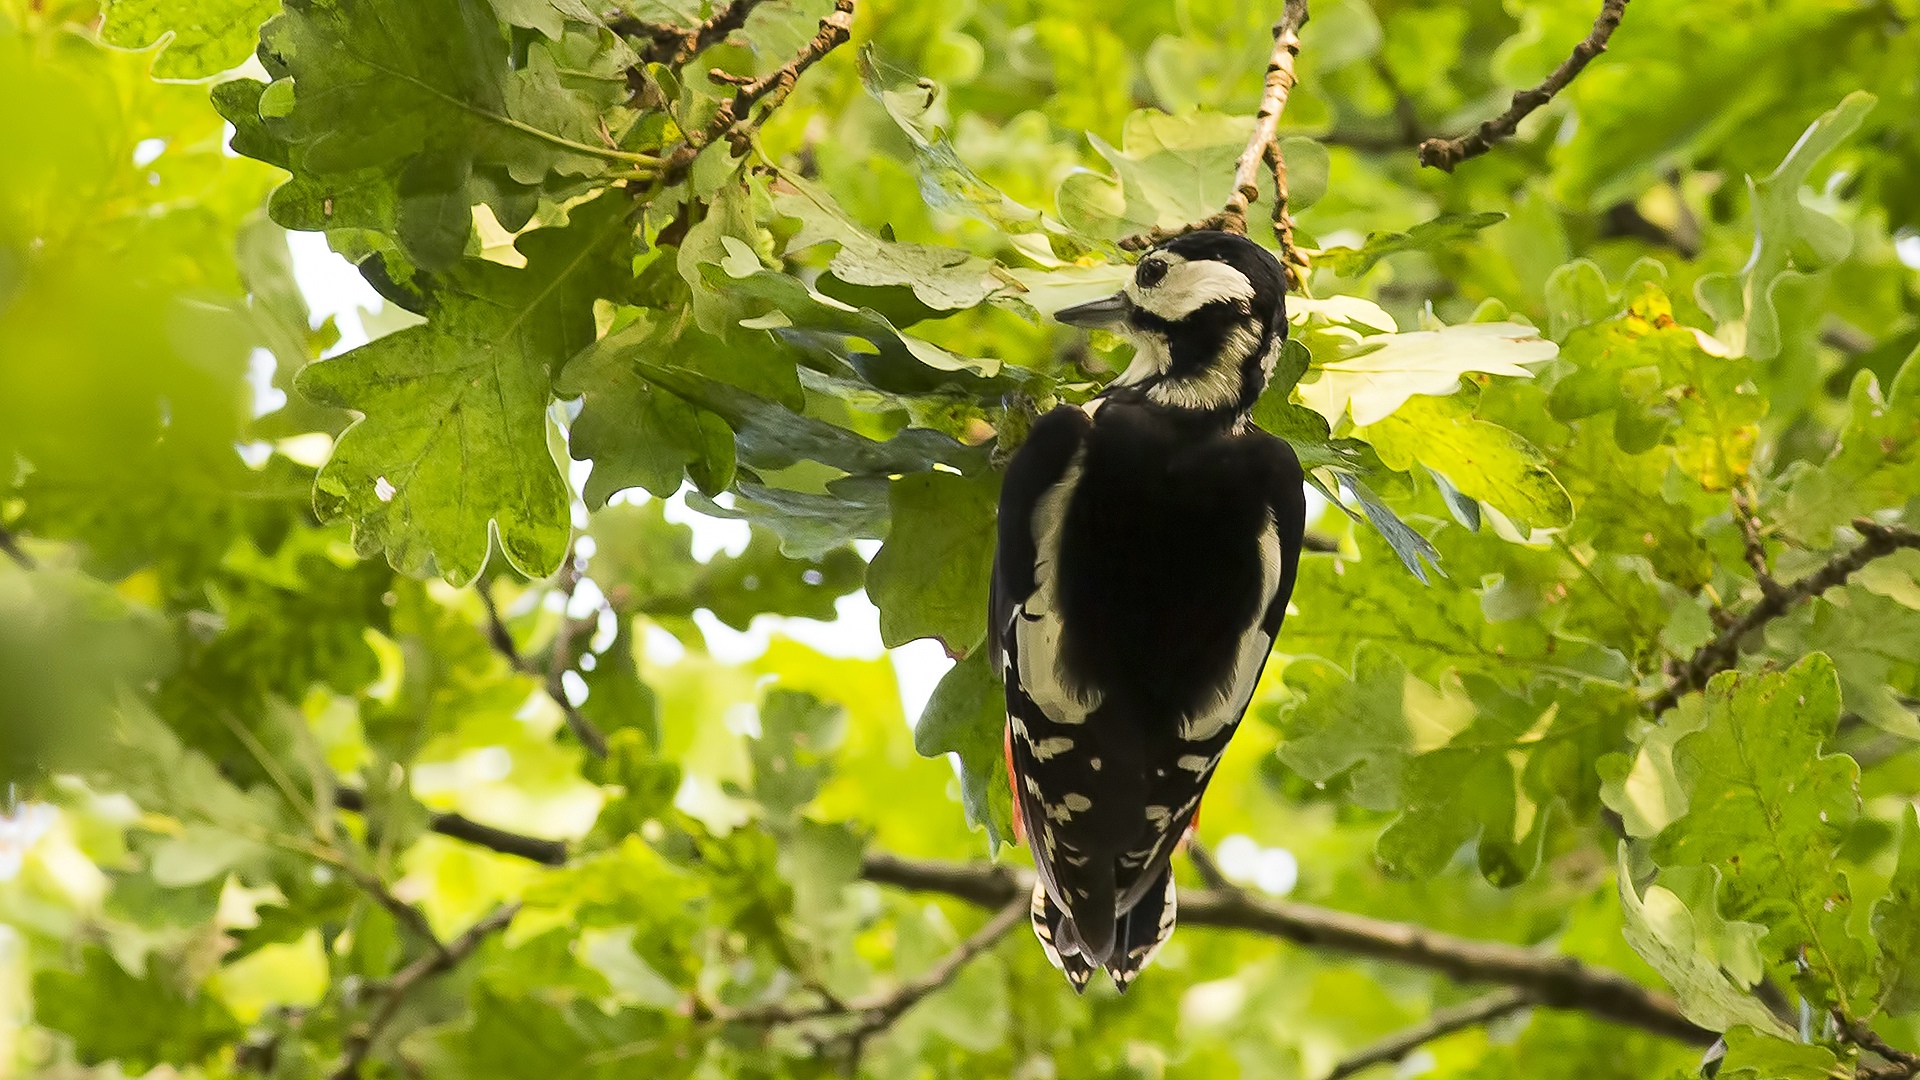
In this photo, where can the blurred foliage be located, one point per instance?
(240, 656)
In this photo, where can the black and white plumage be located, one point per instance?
(1148, 543)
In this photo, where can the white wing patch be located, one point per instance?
(1232, 700)
(1045, 749)
(1037, 627)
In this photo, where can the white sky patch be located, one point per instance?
(20, 829)
(333, 286)
(147, 151)
(1906, 245)
(1274, 871)
(267, 397)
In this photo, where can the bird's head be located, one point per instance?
(1206, 314)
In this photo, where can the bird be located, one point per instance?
(1146, 548)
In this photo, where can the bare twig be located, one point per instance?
(1551, 980)
(1273, 101)
(1320, 542)
(360, 1041)
(585, 730)
(675, 45)
(10, 546)
(1754, 540)
(1723, 651)
(532, 848)
(1404, 112)
(732, 122)
(1209, 871)
(1900, 1063)
(1443, 1022)
(1445, 154)
(404, 913)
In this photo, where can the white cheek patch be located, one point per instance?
(1190, 286)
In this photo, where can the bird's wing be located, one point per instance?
(1024, 633)
(1175, 786)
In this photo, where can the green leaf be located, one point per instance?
(791, 756)
(942, 278)
(1875, 465)
(1663, 931)
(1769, 810)
(1356, 726)
(1577, 295)
(453, 444)
(1787, 230)
(1754, 1055)
(1482, 460)
(644, 564)
(1173, 170)
(1378, 374)
(638, 434)
(140, 1021)
(967, 717)
(930, 579)
(1896, 925)
(1445, 231)
(202, 39)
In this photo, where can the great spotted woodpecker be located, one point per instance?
(1147, 546)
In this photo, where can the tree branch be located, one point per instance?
(1560, 982)
(10, 546)
(585, 730)
(1556, 981)
(532, 848)
(1280, 81)
(1445, 154)
(1443, 1022)
(1723, 651)
(732, 123)
(396, 989)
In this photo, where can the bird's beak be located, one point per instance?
(1102, 314)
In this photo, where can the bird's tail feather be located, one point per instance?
(1142, 931)
(1049, 925)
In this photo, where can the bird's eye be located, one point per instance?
(1150, 273)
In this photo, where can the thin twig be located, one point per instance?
(1445, 154)
(875, 1014)
(360, 1042)
(675, 45)
(532, 848)
(585, 730)
(406, 914)
(1209, 871)
(1443, 1022)
(1552, 980)
(1753, 538)
(731, 121)
(1723, 651)
(1902, 1063)
(1404, 111)
(10, 545)
(1232, 218)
